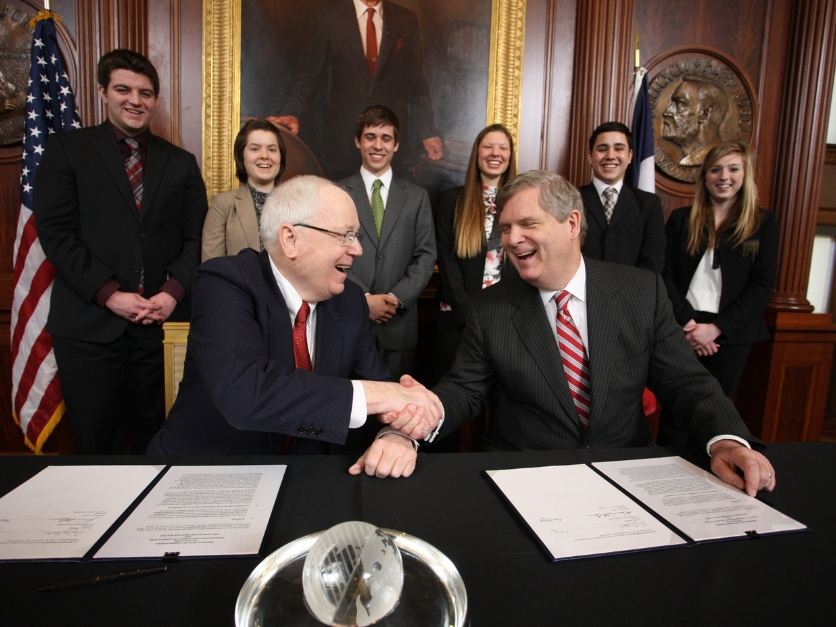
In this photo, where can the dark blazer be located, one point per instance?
(91, 231)
(635, 235)
(633, 342)
(749, 273)
(241, 392)
(461, 279)
(335, 53)
(402, 261)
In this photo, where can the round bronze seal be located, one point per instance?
(696, 103)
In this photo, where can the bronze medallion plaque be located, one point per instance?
(696, 103)
(15, 51)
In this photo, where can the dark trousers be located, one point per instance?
(102, 383)
(727, 366)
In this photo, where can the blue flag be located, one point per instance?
(641, 172)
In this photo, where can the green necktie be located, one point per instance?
(377, 206)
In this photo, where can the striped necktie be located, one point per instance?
(573, 355)
(377, 206)
(609, 202)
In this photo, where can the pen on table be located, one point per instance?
(100, 579)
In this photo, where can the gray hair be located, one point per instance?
(557, 195)
(294, 201)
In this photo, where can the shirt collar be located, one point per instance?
(576, 286)
(369, 178)
(142, 138)
(601, 186)
(360, 9)
(291, 296)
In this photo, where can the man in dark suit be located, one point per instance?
(571, 342)
(280, 358)
(625, 224)
(397, 219)
(119, 213)
(371, 52)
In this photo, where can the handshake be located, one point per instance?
(411, 410)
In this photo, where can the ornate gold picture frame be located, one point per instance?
(222, 80)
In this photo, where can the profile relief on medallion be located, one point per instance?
(692, 119)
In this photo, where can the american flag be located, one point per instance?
(37, 404)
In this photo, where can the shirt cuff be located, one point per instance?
(107, 290)
(725, 437)
(387, 429)
(358, 406)
(400, 304)
(173, 288)
(431, 437)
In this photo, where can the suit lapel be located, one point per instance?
(387, 42)
(602, 314)
(281, 331)
(625, 205)
(105, 146)
(329, 341)
(357, 190)
(394, 205)
(594, 207)
(245, 209)
(535, 331)
(155, 165)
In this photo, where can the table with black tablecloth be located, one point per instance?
(787, 579)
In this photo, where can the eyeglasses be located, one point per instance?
(348, 238)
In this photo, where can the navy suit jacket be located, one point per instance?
(634, 342)
(399, 82)
(241, 392)
(635, 235)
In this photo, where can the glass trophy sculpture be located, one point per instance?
(353, 575)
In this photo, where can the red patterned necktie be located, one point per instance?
(573, 355)
(133, 168)
(371, 42)
(301, 356)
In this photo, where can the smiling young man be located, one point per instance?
(400, 254)
(570, 343)
(119, 214)
(626, 224)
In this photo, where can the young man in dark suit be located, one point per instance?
(625, 224)
(569, 343)
(400, 240)
(119, 214)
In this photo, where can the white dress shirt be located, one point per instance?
(600, 187)
(362, 19)
(294, 303)
(706, 285)
(368, 182)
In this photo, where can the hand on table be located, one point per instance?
(391, 455)
(727, 456)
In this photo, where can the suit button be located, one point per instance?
(302, 430)
(136, 270)
(319, 433)
(380, 256)
(142, 235)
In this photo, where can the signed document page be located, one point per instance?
(575, 512)
(61, 512)
(693, 500)
(200, 511)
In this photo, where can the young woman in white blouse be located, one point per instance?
(721, 264)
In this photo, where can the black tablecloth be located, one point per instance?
(776, 580)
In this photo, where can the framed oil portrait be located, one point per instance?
(446, 68)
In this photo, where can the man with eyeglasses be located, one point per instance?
(400, 240)
(280, 357)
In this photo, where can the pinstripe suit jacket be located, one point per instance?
(633, 341)
(241, 391)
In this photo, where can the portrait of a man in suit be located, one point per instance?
(427, 60)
